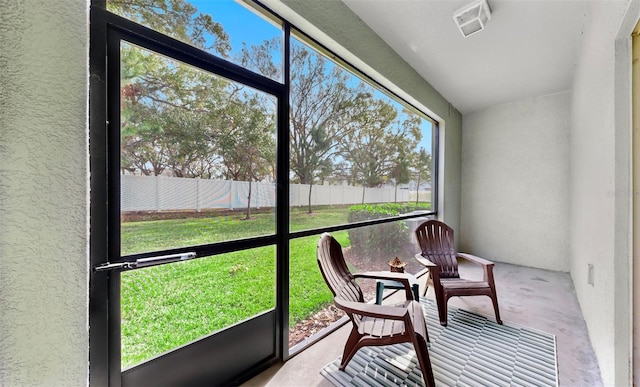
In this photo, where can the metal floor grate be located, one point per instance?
(471, 351)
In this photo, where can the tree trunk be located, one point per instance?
(310, 211)
(249, 202)
(395, 193)
(418, 190)
(363, 188)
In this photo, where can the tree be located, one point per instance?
(400, 172)
(318, 98)
(178, 19)
(422, 169)
(167, 111)
(167, 107)
(246, 141)
(378, 140)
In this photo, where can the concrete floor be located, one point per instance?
(535, 298)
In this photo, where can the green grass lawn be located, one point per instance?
(167, 306)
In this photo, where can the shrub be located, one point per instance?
(383, 241)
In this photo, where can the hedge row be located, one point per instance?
(383, 241)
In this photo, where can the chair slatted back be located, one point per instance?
(335, 271)
(436, 243)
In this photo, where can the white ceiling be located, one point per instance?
(529, 47)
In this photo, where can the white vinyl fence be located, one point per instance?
(161, 193)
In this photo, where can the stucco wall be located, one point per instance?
(333, 24)
(515, 171)
(599, 193)
(43, 193)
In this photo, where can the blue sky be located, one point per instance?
(242, 25)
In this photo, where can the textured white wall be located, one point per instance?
(515, 171)
(43, 193)
(599, 173)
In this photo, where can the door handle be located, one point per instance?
(145, 262)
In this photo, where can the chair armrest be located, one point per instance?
(371, 310)
(434, 272)
(425, 262)
(487, 266)
(475, 259)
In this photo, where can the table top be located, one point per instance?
(391, 283)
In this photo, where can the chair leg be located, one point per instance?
(426, 285)
(441, 302)
(416, 292)
(379, 292)
(426, 332)
(494, 299)
(418, 316)
(494, 294)
(444, 314)
(423, 359)
(350, 348)
(441, 298)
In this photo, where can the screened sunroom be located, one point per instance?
(169, 166)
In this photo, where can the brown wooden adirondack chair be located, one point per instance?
(373, 325)
(439, 255)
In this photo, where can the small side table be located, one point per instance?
(382, 284)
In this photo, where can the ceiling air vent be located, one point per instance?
(472, 17)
